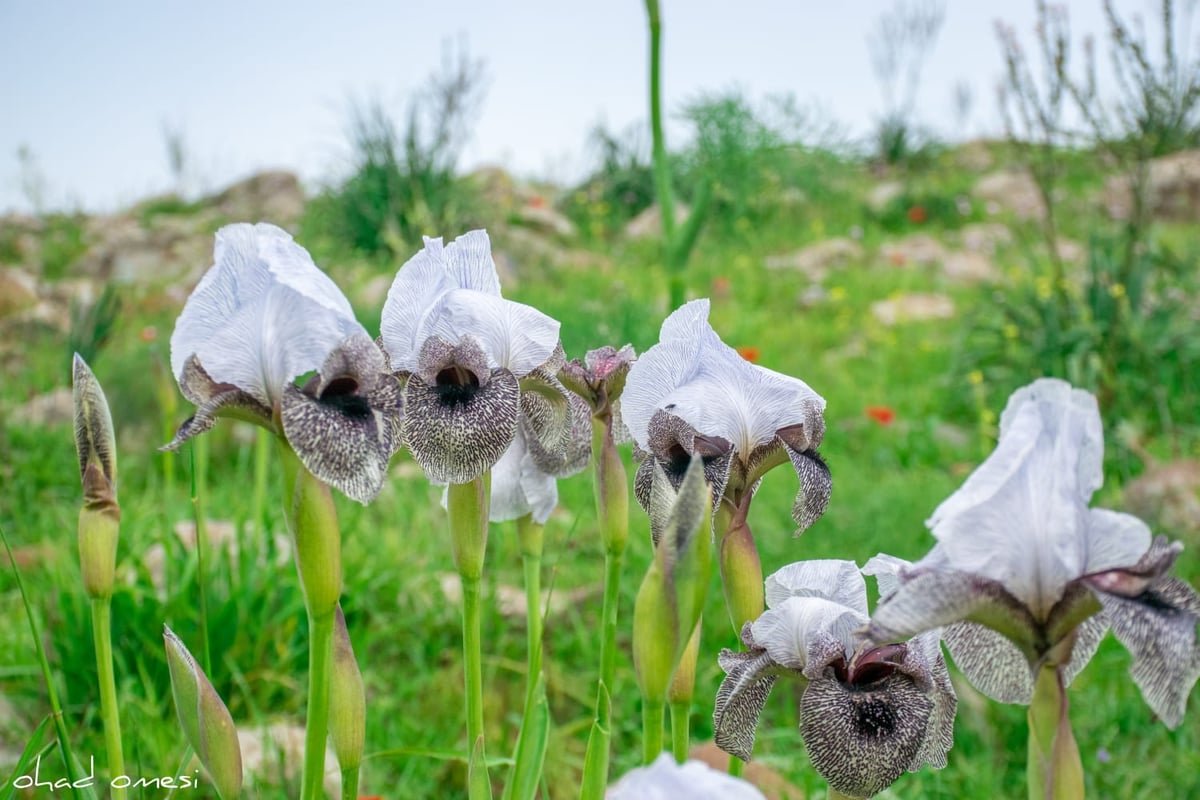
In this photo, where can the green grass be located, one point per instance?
(887, 480)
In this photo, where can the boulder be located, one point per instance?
(274, 196)
(816, 260)
(965, 266)
(883, 194)
(913, 307)
(919, 249)
(18, 291)
(1010, 191)
(984, 237)
(1172, 189)
(649, 222)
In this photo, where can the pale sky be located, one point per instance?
(89, 86)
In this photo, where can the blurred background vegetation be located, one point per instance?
(913, 282)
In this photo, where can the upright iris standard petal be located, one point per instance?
(264, 315)
(867, 714)
(691, 391)
(1026, 575)
(468, 357)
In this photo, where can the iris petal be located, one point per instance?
(831, 579)
(740, 699)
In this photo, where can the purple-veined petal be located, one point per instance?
(697, 377)
(262, 315)
(1114, 540)
(452, 293)
(789, 631)
(694, 780)
(831, 579)
(519, 487)
(992, 664)
(1021, 517)
(740, 699)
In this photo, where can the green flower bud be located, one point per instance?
(347, 700)
(100, 517)
(671, 598)
(205, 719)
(312, 519)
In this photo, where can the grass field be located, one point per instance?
(887, 476)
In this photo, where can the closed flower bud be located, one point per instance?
(347, 701)
(100, 517)
(205, 719)
(672, 595)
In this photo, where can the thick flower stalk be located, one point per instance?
(347, 708)
(205, 719)
(1026, 579)
(478, 372)
(600, 379)
(666, 780)
(99, 525)
(867, 713)
(262, 316)
(671, 596)
(691, 394)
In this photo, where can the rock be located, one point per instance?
(18, 291)
(913, 307)
(974, 156)
(46, 410)
(969, 267)
(544, 217)
(275, 197)
(919, 248)
(881, 195)
(510, 600)
(813, 295)
(172, 250)
(278, 750)
(773, 785)
(1070, 250)
(1012, 191)
(1172, 189)
(1167, 494)
(816, 260)
(984, 237)
(649, 222)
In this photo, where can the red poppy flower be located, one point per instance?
(749, 353)
(917, 215)
(720, 287)
(884, 415)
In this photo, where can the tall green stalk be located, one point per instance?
(467, 505)
(102, 634)
(611, 490)
(199, 455)
(652, 730)
(1055, 771)
(677, 243)
(530, 752)
(312, 519)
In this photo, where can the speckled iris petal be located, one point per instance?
(213, 401)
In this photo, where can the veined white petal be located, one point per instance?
(453, 292)
(886, 570)
(788, 631)
(1021, 518)
(831, 579)
(515, 336)
(700, 379)
(694, 780)
(262, 315)
(1114, 540)
(519, 487)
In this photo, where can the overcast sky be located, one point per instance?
(88, 87)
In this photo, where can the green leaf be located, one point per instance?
(531, 749)
(33, 752)
(479, 787)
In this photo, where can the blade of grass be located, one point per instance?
(60, 725)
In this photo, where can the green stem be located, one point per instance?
(531, 741)
(350, 784)
(680, 730)
(741, 567)
(467, 505)
(199, 470)
(652, 730)
(834, 794)
(611, 489)
(102, 633)
(737, 767)
(262, 448)
(1055, 771)
(316, 730)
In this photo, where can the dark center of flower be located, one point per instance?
(456, 385)
(874, 717)
(342, 395)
